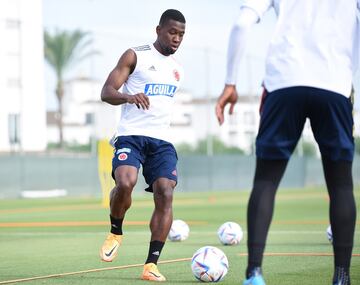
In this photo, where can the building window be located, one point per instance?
(13, 24)
(187, 118)
(14, 83)
(14, 128)
(89, 118)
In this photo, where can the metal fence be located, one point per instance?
(79, 174)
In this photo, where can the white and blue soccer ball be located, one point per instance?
(329, 234)
(209, 264)
(230, 233)
(179, 231)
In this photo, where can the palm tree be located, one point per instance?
(63, 49)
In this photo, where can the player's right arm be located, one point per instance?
(117, 78)
(250, 13)
(236, 49)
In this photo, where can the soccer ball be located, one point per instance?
(179, 231)
(230, 233)
(329, 234)
(209, 264)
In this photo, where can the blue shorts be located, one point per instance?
(283, 114)
(157, 157)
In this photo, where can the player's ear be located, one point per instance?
(158, 29)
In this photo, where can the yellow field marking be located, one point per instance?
(298, 254)
(95, 206)
(79, 224)
(132, 223)
(160, 262)
(229, 197)
(51, 209)
(88, 271)
(65, 224)
(299, 222)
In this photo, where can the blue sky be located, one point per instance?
(116, 25)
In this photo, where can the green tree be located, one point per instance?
(63, 49)
(201, 148)
(305, 148)
(309, 149)
(218, 147)
(184, 148)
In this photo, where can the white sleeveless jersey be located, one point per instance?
(158, 77)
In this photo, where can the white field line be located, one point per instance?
(139, 265)
(87, 271)
(130, 233)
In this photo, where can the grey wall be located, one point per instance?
(79, 175)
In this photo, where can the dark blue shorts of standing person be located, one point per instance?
(157, 157)
(283, 113)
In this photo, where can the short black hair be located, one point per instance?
(172, 14)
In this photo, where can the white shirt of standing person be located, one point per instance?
(315, 43)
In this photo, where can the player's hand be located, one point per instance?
(140, 100)
(229, 95)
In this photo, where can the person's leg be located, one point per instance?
(120, 202)
(160, 173)
(282, 121)
(268, 174)
(128, 155)
(162, 216)
(160, 225)
(332, 124)
(120, 195)
(342, 213)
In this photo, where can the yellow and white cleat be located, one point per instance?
(152, 273)
(109, 250)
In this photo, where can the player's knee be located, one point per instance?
(125, 185)
(164, 194)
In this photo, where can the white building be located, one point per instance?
(193, 119)
(240, 128)
(22, 108)
(84, 116)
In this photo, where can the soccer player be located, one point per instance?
(149, 76)
(311, 59)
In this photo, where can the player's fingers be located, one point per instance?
(219, 111)
(141, 101)
(231, 110)
(144, 101)
(147, 100)
(144, 104)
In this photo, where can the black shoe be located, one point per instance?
(341, 276)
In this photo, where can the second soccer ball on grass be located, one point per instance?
(179, 231)
(230, 233)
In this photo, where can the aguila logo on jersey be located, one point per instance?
(124, 149)
(154, 89)
(176, 75)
